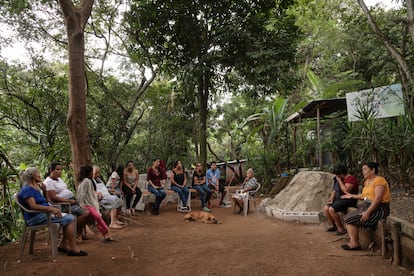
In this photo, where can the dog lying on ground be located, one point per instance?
(203, 217)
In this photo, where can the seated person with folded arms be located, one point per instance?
(57, 192)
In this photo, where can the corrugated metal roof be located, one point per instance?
(326, 107)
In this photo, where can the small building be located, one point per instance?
(317, 110)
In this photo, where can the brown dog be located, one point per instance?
(201, 217)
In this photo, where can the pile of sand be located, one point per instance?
(308, 191)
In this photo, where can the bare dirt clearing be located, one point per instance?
(167, 245)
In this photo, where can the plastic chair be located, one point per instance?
(249, 197)
(180, 204)
(53, 230)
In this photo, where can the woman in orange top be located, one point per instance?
(376, 195)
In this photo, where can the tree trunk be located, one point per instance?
(203, 86)
(196, 138)
(75, 20)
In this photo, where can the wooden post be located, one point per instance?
(381, 229)
(395, 234)
(318, 135)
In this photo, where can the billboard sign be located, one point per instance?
(382, 102)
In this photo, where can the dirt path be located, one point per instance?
(167, 245)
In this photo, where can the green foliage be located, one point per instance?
(257, 51)
(28, 105)
(10, 218)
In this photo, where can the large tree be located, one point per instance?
(116, 81)
(76, 17)
(199, 42)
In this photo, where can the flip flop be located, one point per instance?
(110, 239)
(63, 250)
(79, 254)
(347, 247)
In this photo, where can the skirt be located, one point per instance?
(354, 218)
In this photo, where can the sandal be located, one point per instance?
(80, 253)
(347, 247)
(62, 249)
(110, 239)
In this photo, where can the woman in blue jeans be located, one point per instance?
(31, 198)
(156, 183)
(199, 183)
(178, 179)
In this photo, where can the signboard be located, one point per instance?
(381, 102)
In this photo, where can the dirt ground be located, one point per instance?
(167, 245)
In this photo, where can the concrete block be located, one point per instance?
(268, 211)
(309, 217)
(278, 213)
(290, 216)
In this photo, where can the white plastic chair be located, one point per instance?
(180, 204)
(53, 230)
(249, 198)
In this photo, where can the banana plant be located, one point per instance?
(268, 122)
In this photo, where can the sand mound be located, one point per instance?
(308, 191)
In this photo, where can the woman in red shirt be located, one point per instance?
(156, 183)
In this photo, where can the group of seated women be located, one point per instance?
(73, 211)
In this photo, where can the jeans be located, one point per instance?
(205, 193)
(159, 195)
(41, 218)
(182, 193)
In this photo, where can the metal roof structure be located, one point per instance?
(324, 107)
(318, 109)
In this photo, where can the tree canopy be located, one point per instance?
(200, 80)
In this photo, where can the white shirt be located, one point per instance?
(100, 188)
(59, 186)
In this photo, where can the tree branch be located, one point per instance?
(390, 47)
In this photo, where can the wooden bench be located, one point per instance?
(147, 197)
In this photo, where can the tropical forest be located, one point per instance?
(106, 81)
